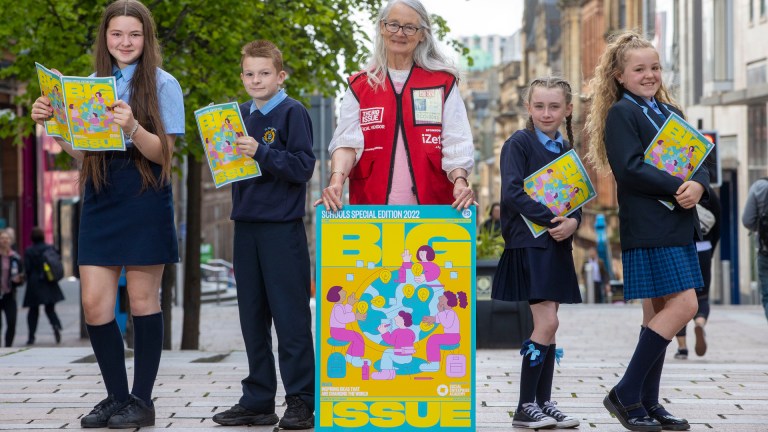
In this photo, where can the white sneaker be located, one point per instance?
(531, 417)
(563, 421)
(429, 367)
(354, 361)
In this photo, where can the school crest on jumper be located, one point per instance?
(269, 135)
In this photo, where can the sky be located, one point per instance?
(478, 17)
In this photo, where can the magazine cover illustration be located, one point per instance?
(395, 319)
(219, 126)
(678, 149)
(562, 185)
(51, 87)
(88, 106)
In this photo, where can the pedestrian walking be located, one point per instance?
(41, 290)
(629, 105)
(709, 219)
(755, 219)
(127, 217)
(11, 276)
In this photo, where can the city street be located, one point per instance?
(49, 387)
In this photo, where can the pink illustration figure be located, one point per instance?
(544, 178)
(425, 255)
(549, 197)
(671, 166)
(76, 116)
(341, 315)
(689, 154)
(657, 151)
(212, 153)
(94, 121)
(227, 125)
(109, 118)
(684, 172)
(401, 339)
(99, 97)
(451, 335)
(574, 192)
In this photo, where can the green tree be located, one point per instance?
(201, 42)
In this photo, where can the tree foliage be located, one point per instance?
(321, 41)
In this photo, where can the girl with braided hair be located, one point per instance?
(538, 270)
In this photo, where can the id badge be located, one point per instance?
(428, 106)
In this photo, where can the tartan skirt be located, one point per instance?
(656, 272)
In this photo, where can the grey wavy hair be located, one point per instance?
(427, 55)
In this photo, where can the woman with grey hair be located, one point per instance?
(403, 135)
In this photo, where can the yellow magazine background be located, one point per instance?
(50, 87)
(363, 255)
(89, 108)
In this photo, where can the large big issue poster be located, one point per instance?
(395, 319)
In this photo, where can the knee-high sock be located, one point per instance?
(107, 343)
(650, 392)
(649, 348)
(530, 371)
(148, 346)
(544, 388)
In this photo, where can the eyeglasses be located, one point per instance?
(408, 30)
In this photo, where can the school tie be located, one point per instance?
(657, 109)
(118, 74)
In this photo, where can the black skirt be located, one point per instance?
(536, 274)
(123, 225)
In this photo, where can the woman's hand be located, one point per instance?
(462, 194)
(42, 110)
(565, 228)
(124, 117)
(331, 197)
(689, 194)
(247, 145)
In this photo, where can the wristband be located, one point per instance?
(133, 131)
(461, 177)
(337, 172)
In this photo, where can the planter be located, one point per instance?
(500, 324)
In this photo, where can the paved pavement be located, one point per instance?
(49, 387)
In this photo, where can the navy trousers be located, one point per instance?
(271, 263)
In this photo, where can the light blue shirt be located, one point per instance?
(271, 103)
(553, 145)
(169, 97)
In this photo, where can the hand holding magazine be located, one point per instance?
(82, 110)
(219, 126)
(678, 149)
(562, 185)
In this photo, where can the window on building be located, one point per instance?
(751, 11)
(757, 145)
(717, 26)
(762, 8)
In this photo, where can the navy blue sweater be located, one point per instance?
(643, 221)
(521, 156)
(286, 160)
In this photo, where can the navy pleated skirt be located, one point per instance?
(536, 274)
(123, 225)
(656, 272)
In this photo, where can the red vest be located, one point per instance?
(418, 110)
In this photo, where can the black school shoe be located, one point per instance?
(668, 421)
(241, 416)
(642, 424)
(100, 414)
(298, 415)
(134, 414)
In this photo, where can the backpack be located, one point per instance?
(706, 218)
(762, 230)
(762, 225)
(53, 269)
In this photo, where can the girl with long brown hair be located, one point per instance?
(127, 218)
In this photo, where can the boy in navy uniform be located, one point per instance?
(271, 258)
